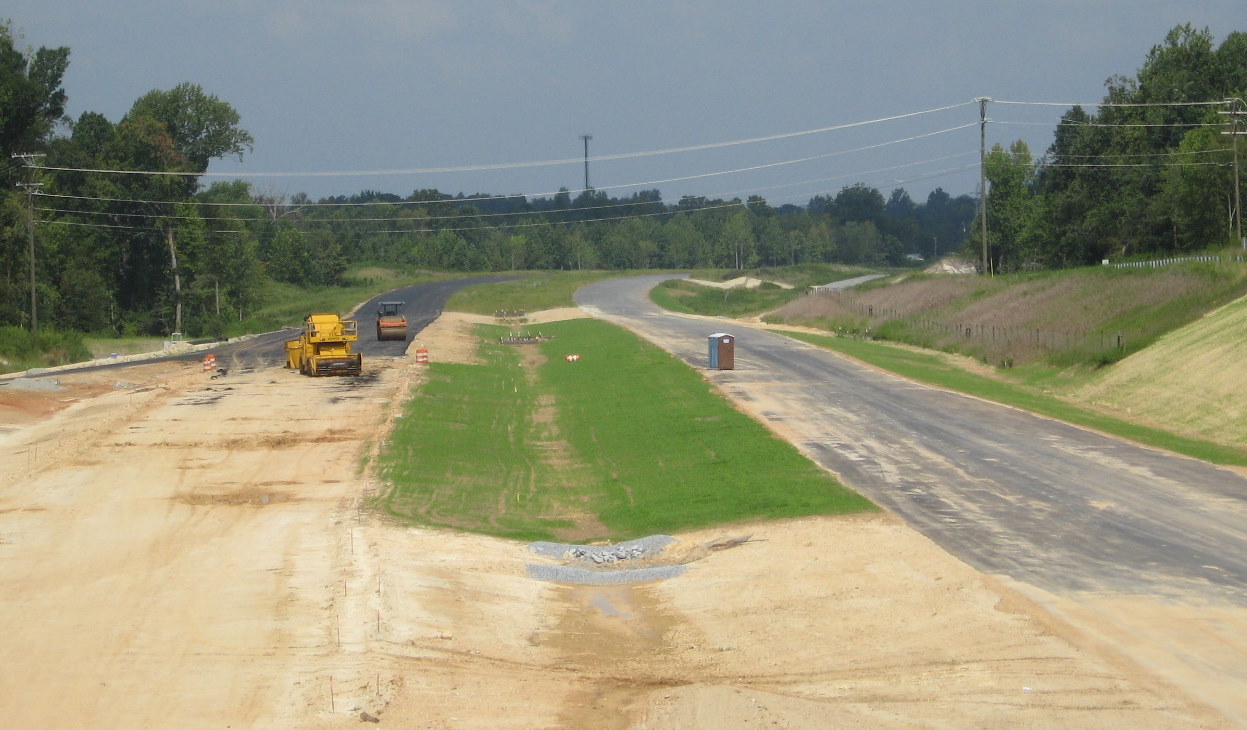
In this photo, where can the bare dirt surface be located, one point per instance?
(183, 552)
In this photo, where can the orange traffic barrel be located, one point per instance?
(209, 362)
(422, 355)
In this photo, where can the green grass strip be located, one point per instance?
(931, 369)
(625, 442)
(463, 453)
(670, 453)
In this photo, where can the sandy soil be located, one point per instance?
(183, 552)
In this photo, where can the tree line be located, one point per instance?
(155, 251)
(1151, 173)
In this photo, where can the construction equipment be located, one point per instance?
(391, 322)
(324, 347)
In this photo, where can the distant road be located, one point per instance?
(850, 283)
(1049, 504)
(422, 304)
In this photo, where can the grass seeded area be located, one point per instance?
(625, 442)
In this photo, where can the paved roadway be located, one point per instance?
(1052, 505)
(422, 303)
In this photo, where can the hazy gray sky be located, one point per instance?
(413, 85)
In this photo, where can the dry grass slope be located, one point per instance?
(1192, 379)
(1094, 315)
(1181, 368)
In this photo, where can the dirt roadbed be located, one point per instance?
(183, 552)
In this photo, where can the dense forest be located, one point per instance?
(1152, 173)
(126, 239)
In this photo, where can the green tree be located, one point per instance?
(860, 203)
(32, 101)
(1010, 207)
(739, 240)
(859, 242)
(289, 259)
(1188, 184)
(177, 131)
(201, 126)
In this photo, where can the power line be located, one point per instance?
(1105, 104)
(518, 165)
(1172, 125)
(647, 183)
(731, 204)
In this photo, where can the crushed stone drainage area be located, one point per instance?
(595, 565)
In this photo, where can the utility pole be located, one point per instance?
(586, 138)
(1235, 113)
(31, 188)
(982, 100)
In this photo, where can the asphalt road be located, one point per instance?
(1052, 505)
(422, 303)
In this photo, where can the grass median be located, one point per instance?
(626, 441)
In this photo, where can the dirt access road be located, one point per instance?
(183, 552)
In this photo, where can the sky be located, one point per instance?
(718, 98)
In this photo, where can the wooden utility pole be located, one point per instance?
(982, 100)
(586, 138)
(31, 188)
(1235, 113)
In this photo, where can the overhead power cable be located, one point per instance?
(1098, 124)
(647, 183)
(518, 165)
(1104, 104)
(469, 201)
(733, 204)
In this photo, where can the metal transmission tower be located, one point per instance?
(586, 138)
(31, 187)
(1236, 113)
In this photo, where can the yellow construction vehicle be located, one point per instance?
(391, 323)
(324, 347)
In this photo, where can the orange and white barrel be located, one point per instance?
(422, 355)
(209, 362)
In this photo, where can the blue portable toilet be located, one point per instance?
(722, 351)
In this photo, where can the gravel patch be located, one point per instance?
(645, 547)
(603, 564)
(589, 577)
(48, 384)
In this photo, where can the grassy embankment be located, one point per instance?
(933, 369)
(625, 442)
(1052, 320)
(21, 349)
(1057, 332)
